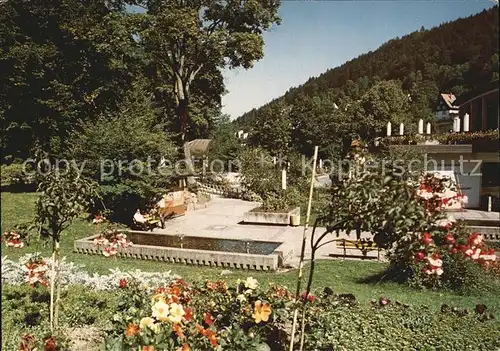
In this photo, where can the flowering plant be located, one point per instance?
(440, 193)
(432, 258)
(112, 241)
(36, 269)
(204, 316)
(13, 239)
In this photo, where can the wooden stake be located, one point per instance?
(303, 249)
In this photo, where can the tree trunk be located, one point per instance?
(182, 113)
(58, 288)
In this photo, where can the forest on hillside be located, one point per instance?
(398, 82)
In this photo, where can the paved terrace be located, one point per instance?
(221, 219)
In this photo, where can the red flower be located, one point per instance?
(454, 250)
(208, 319)
(435, 256)
(308, 297)
(419, 256)
(49, 344)
(123, 283)
(188, 314)
(427, 238)
(449, 238)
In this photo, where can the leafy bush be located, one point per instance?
(116, 149)
(333, 325)
(262, 180)
(17, 174)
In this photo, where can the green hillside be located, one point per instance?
(400, 82)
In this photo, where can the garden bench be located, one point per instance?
(149, 225)
(364, 246)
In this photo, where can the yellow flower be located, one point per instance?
(147, 322)
(160, 310)
(176, 313)
(262, 311)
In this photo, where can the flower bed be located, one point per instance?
(18, 273)
(214, 316)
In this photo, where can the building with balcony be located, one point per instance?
(446, 111)
(471, 153)
(482, 107)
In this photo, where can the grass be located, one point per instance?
(341, 276)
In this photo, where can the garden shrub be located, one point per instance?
(397, 327)
(262, 180)
(16, 175)
(116, 147)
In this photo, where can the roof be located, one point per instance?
(199, 147)
(449, 99)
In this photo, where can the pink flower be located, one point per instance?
(449, 239)
(419, 256)
(427, 238)
(475, 239)
(98, 219)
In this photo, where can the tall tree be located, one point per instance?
(190, 37)
(62, 61)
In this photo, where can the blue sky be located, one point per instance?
(318, 35)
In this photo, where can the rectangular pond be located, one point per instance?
(199, 250)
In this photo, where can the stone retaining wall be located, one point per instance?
(188, 256)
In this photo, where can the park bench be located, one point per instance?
(364, 246)
(149, 225)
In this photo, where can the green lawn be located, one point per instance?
(341, 276)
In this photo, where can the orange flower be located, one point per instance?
(210, 334)
(132, 330)
(184, 347)
(200, 328)
(188, 315)
(178, 330)
(148, 348)
(262, 311)
(208, 319)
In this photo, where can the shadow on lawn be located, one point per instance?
(18, 188)
(389, 275)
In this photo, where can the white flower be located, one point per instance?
(439, 271)
(147, 322)
(488, 257)
(176, 313)
(446, 221)
(160, 310)
(241, 298)
(435, 262)
(251, 283)
(477, 240)
(426, 195)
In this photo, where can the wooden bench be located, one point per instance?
(149, 225)
(364, 246)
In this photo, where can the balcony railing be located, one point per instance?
(481, 141)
